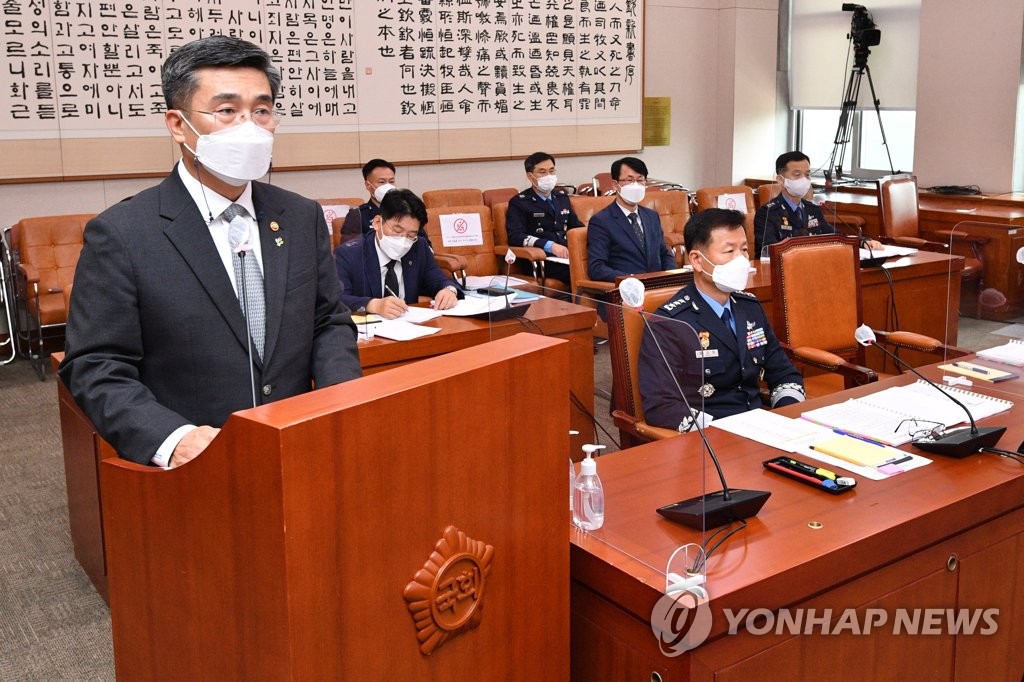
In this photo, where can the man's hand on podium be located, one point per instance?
(194, 442)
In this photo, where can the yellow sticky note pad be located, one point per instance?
(855, 451)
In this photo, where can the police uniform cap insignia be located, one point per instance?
(706, 391)
(705, 339)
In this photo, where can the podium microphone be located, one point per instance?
(712, 509)
(958, 442)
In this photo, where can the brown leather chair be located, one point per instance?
(501, 195)
(335, 221)
(817, 305)
(707, 197)
(673, 208)
(625, 334)
(526, 262)
(898, 205)
(481, 259)
(585, 291)
(48, 249)
(585, 207)
(442, 198)
(598, 186)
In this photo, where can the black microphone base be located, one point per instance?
(711, 511)
(961, 442)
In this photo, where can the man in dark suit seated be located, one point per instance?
(210, 292)
(626, 238)
(385, 270)
(540, 216)
(712, 336)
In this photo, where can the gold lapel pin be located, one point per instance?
(274, 227)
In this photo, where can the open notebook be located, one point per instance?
(883, 416)
(1011, 353)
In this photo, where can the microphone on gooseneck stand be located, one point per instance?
(713, 509)
(958, 442)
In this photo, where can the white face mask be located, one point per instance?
(395, 247)
(237, 154)
(633, 193)
(798, 187)
(731, 276)
(379, 193)
(546, 183)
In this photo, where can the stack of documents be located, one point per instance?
(1011, 353)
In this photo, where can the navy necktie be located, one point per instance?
(391, 280)
(727, 318)
(634, 220)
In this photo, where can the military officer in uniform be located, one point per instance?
(714, 338)
(540, 217)
(790, 214)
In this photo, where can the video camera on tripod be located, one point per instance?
(863, 32)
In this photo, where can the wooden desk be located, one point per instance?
(950, 534)
(83, 448)
(926, 289)
(553, 317)
(1000, 218)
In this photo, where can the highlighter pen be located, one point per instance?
(811, 479)
(807, 468)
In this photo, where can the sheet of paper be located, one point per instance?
(734, 202)
(887, 251)
(773, 429)
(867, 472)
(556, 259)
(479, 282)
(399, 330)
(416, 315)
(461, 229)
(475, 305)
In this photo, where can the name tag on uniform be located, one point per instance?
(786, 228)
(538, 215)
(709, 353)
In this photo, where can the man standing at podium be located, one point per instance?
(210, 292)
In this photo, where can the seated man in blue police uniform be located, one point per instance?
(790, 214)
(726, 346)
(385, 270)
(540, 217)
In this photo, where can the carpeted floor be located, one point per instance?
(53, 624)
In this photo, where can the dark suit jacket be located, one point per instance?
(359, 272)
(156, 337)
(613, 249)
(531, 216)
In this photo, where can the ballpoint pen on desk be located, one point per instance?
(971, 367)
(855, 436)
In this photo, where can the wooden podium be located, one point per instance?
(393, 527)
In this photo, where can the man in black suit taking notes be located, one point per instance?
(157, 350)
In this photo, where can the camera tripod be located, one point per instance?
(845, 128)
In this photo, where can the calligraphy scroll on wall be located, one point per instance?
(407, 80)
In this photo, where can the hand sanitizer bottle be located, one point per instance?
(588, 495)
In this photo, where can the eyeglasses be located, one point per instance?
(395, 230)
(264, 117)
(640, 180)
(921, 430)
